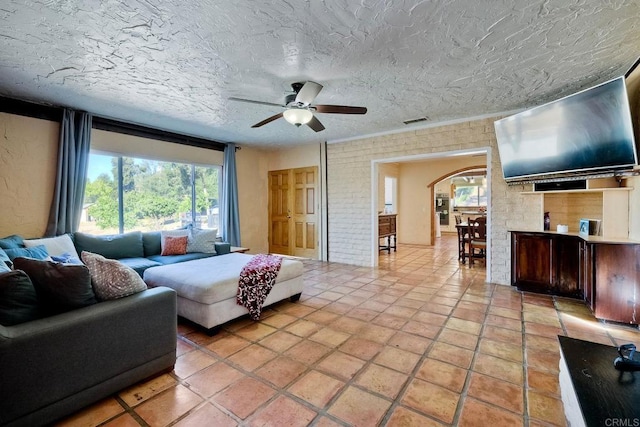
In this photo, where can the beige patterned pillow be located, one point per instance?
(202, 240)
(110, 278)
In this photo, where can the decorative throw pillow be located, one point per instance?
(171, 233)
(55, 246)
(5, 261)
(18, 299)
(175, 245)
(67, 258)
(112, 279)
(202, 240)
(37, 252)
(60, 287)
(13, 241)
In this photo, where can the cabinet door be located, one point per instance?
(586, 274)
(617, 285)
(532, 264)
(567, 259)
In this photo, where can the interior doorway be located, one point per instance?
(293, 212)
(416, 178)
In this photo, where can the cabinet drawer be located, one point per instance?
(384, 229)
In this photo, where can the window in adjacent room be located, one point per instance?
(470, 191)
(128, 193)
(390, 194)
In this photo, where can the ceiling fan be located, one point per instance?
(298, 109)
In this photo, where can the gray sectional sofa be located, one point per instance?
(54, 366)
(138, 250)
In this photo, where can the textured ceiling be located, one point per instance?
(174, 64)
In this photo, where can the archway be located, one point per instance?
(432, 186)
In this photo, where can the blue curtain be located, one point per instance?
(230, 214)
(73, 157)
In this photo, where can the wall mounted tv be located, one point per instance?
(582, 134)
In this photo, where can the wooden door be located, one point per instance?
(305, 213)
(279, 212)
(293, 213)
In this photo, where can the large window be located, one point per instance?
(126, 194)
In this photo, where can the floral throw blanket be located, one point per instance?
(256, 280)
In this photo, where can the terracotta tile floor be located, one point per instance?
(421, 340)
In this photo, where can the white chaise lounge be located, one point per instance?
(207, 287)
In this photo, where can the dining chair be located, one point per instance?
(478, 239)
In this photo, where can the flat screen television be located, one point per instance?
(585, 133)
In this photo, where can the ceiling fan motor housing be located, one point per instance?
(290, 99)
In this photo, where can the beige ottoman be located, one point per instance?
(207, 287)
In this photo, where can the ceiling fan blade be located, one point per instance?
(250, 101)
(269, 120)
(340, 109)
(315, 124)
(308, 92)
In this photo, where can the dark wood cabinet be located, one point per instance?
(546, 263)
(617, 278)
(567, 257)
(531, 261)
(586, 282)
(604, 273)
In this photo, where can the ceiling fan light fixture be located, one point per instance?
(298, 116)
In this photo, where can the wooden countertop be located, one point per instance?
(586, 238)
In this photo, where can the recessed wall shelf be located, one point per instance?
(607, 203)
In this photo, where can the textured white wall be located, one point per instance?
(349, 189)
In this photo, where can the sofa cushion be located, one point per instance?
(172, 259)
(56, 246)
(202, 240)
(13, 241)
(139, 265)
(112, 279)
(18, 299)
(37, 252)
(60, 287)
(114, 246)
(151, 242)
(223, 248)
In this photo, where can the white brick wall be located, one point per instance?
(349, 190)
